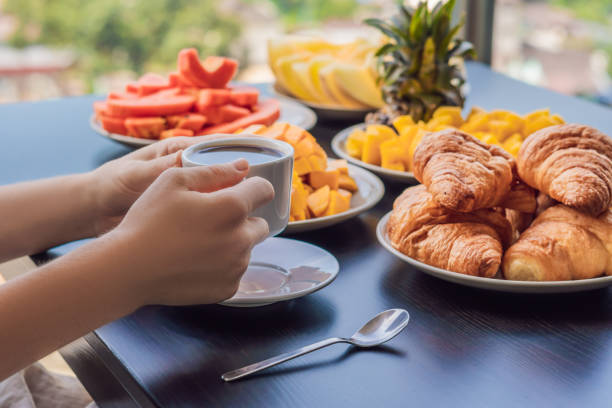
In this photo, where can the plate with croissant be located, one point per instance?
(538, 224)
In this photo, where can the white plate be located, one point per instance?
(500, 285)
(283, 269)
(290, 111)
(331, 112)
(371, 190)
(338, 145)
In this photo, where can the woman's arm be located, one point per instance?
(186, 240)
(38, 215)
(41, 214)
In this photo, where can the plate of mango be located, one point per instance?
(387, 151)
(324, 191)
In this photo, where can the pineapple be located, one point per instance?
(420, 66)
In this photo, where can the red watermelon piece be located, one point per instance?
(212, 97)
(150, 106)
(145, 128)
(100, 108)
(266, 113)
(213, 72)
(191, 121)
(244, 96)
(113, 124)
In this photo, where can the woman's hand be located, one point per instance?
(188, 238)
(118, 183)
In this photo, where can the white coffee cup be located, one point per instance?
(277, 171)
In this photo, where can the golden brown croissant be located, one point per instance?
(461, 172)
(570, 163)
(521, 197)
(562, 244)
(469, 243)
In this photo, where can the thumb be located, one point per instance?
(206, 179)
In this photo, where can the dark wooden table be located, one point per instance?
(463, 347)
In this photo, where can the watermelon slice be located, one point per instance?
(145, 128)
(214, 72)
(113, 124)
(222, 114)
(244, 96)
(164, 94)
(212, 97)
(166, 134)
(191, 121)
(150, 106)
(266, 113)
(100, 109)
(176, 79)
(122, 95)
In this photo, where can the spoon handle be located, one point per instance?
(281, 358)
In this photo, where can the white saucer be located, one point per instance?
(338, 145)
(283, 269)
(496, 284)
(290, 111)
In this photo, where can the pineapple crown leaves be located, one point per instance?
(417, 63)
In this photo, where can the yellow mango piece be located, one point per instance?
(339, 164)
(375, 136)
(382, 131)
(304, 148)
(346, 182)
(392, 155)
(319, 201)
(402, 122)
(501, 129)
(318, 179)
(308, 188)
(302, 166)
(413, 145)
(474, 111)
(488, 138)
(452, 112)
(536, 114)
(337, 204)
(538, 123)
(355, 142)
(512, 148)
(558, 119)
(477, 122)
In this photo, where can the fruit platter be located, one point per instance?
(197, 99)
(388, 150)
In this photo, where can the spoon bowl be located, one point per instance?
(382, 328)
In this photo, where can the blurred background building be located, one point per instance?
(58, 48)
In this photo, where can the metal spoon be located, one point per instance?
(383, 327)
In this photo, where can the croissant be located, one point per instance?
(468, 243)
(461, 172)
(521, 197)
(519, 221)
(570, 163)
(562, 244)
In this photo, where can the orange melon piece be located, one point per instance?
(346, 182)
(318, 179)
(338, 203)
(145, 128)
(302, 166)
(317, 163)
(293, 135)
(339, 164)
(166, 134)
(319, 201)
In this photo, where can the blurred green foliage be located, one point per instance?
(137, 35)
(594, 10)
(296, 12)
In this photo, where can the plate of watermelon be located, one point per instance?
(197, 99)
